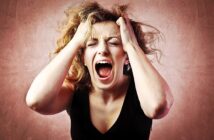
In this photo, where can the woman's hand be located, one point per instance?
(81, 34)
(52, 97)
(153, 92)
(127, 34)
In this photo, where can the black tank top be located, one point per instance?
(130, 124)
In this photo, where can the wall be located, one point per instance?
(28, 33)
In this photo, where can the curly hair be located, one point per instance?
(92, 11)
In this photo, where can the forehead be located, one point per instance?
(105, 29)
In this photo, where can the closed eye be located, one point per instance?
(114, 41)
(91, 43)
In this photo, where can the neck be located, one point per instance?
(109, 95)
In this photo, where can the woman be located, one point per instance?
(102, 77)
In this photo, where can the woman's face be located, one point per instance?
(104, 56)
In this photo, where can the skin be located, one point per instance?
(105, 44)
(153, 92)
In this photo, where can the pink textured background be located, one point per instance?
(28, 33)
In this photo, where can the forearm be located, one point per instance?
(48, 82)
(153, 91)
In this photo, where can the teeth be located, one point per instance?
(103, 62)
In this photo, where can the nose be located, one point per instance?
(103, 49)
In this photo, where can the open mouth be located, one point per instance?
(103, 68)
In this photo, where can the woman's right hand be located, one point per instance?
(81, 34)
(49, 93)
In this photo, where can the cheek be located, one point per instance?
(119, 54)
(87, 59)
(88, 55)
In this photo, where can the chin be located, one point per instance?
(114, 84)
(102, 86)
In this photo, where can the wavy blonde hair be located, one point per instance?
(92, 11)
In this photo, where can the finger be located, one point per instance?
(121, 22)
(123, 28)
(127, 20)
(128, 23)
(127, 32)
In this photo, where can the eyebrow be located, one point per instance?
(117, 37)
(109, 38)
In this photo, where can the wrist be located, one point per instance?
(76, 43)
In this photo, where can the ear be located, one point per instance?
(127, 67)
(126, 60)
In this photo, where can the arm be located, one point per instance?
(152, 90)
(49, 93)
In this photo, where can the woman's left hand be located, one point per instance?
(153, 92)
(127, 34)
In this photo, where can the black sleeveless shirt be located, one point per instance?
(130, 124)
